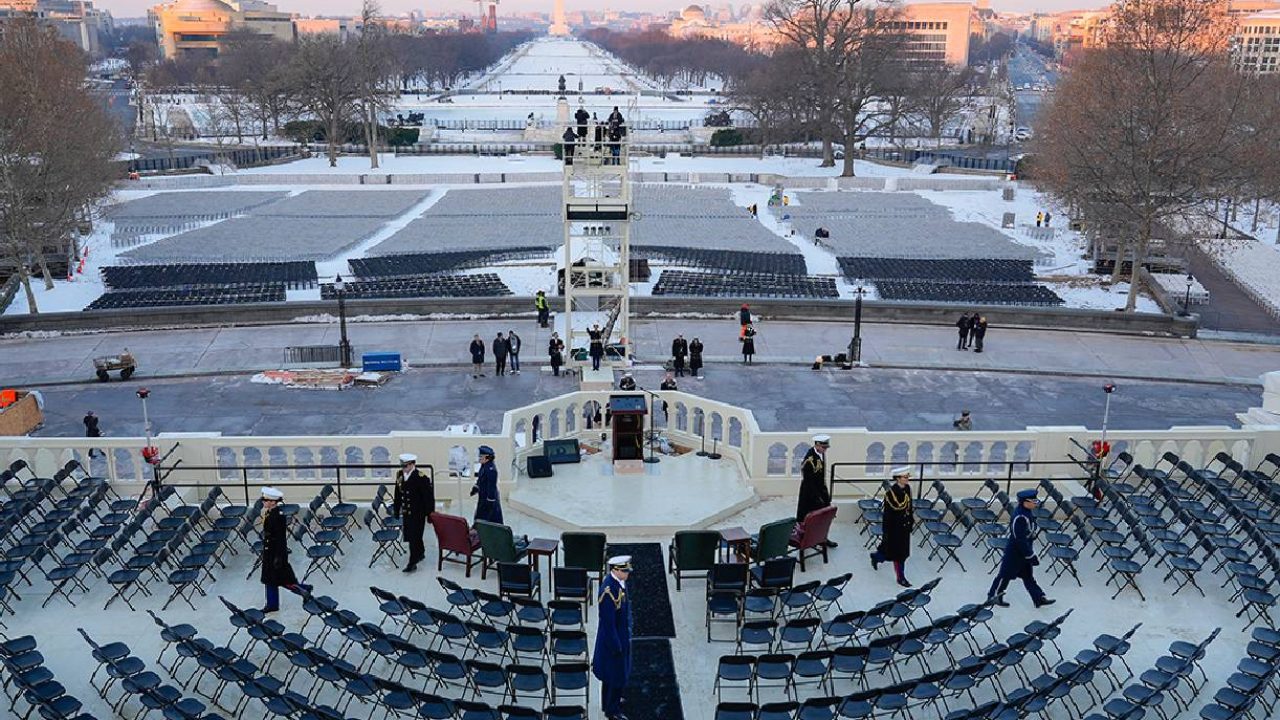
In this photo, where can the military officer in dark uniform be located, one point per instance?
(898, 520)
(611, 661)
(489, 502)
(414, 501)
(596, 349)
(276, 570)
(814, 494)
(1020, 559)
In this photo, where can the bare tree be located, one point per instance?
(57, 145)
(255, 68)
(769, 94)
(326, 80)
(872, 69)
(375, 74)
(1136, 134)
(940, 92)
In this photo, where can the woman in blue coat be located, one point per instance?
(1019, 559)
(489, 503)
(611, 661)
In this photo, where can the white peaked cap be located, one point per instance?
(270, 493)
(901, 470)
(825, 439)
(408, 458)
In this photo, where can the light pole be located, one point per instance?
(855, 345)
(344, 345)
(1186, 300)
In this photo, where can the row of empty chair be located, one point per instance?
(682, 282)
(730, 260)
(479, 285)
(294, 275)
(968, 293)
(411, 264)
(152, 297)
(969, 269)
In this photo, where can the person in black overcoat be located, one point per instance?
(477, 357)
(276, 571)
(898, 520)
(695, 356)
(611, 661)
(500, 349)
(596, 349)
(555, 349)
(413, 502)
(679, 351)
(748, 343)
(963, 325)
(979, 332)
(582, 116)
(814, 494)
(489, 501)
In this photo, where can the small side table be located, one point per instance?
(539, 547)
(737, 544)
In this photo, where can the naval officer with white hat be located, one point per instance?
(413, 503)
(611, 662)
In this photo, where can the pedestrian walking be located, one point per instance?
(898, 519)
(276, 571)
(477, 357)
(1039, 218)
(679, 351)
(1019, 560)
(413, 502)
(500, 350)
(964, 422)
(695, 357)
(555, 349)
(611, 661)
(748, 343)
(973, 330)
(744, 315)
(964, 324)
(596, 348)
(1047, 218)
(488, 502)
(540, 304)
(91, 430)
(513, 346)
(814, 494)
(979, 333)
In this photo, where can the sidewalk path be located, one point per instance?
(176, 353)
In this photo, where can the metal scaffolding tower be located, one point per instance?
(597, 244)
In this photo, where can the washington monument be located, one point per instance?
(558, 24)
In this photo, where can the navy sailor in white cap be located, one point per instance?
(276, 570)
(413, 503)
(611, 661)
(814, 494)
(1020, 559)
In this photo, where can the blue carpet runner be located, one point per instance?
(654, 690)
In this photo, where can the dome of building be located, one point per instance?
(201, 5)
(693, 12)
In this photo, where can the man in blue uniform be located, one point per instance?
(611, 662)
(1019, 559)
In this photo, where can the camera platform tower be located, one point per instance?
(597, 252)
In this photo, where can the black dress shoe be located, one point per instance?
(1045, 601)
(875, 564)
(1001, 603)
(410, 568)
(904, 582)
(268, 611)
(832, 544)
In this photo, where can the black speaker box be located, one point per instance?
(538, 466)
(562, 451)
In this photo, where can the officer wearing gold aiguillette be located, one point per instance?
(413, 503)
(611, 662)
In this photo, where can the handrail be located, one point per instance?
(338, 483)
(919, 468)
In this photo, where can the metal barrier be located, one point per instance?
(246, 482)
(313, 354)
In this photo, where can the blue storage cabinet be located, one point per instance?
(381, 362)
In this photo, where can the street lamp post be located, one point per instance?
(1186, 300)
(855, 345)
(344, 345)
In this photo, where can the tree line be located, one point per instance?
(695, 60)
(344, 83)
(1149, 134)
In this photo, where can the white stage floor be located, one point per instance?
(678, 493)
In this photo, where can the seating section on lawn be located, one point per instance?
(488, 219)
(343, 203)
(293, 275)
(897, 225)
(701, 219)
(165, 297)
(708, 284)
(974, 270)
(409, 265)
(477, 285)
(967, 293)
(261, 239)
(135, 221)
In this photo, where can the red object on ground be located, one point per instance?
(151, 454)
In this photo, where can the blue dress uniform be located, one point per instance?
(611, 661)
(489, 502)
(1019, 559)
